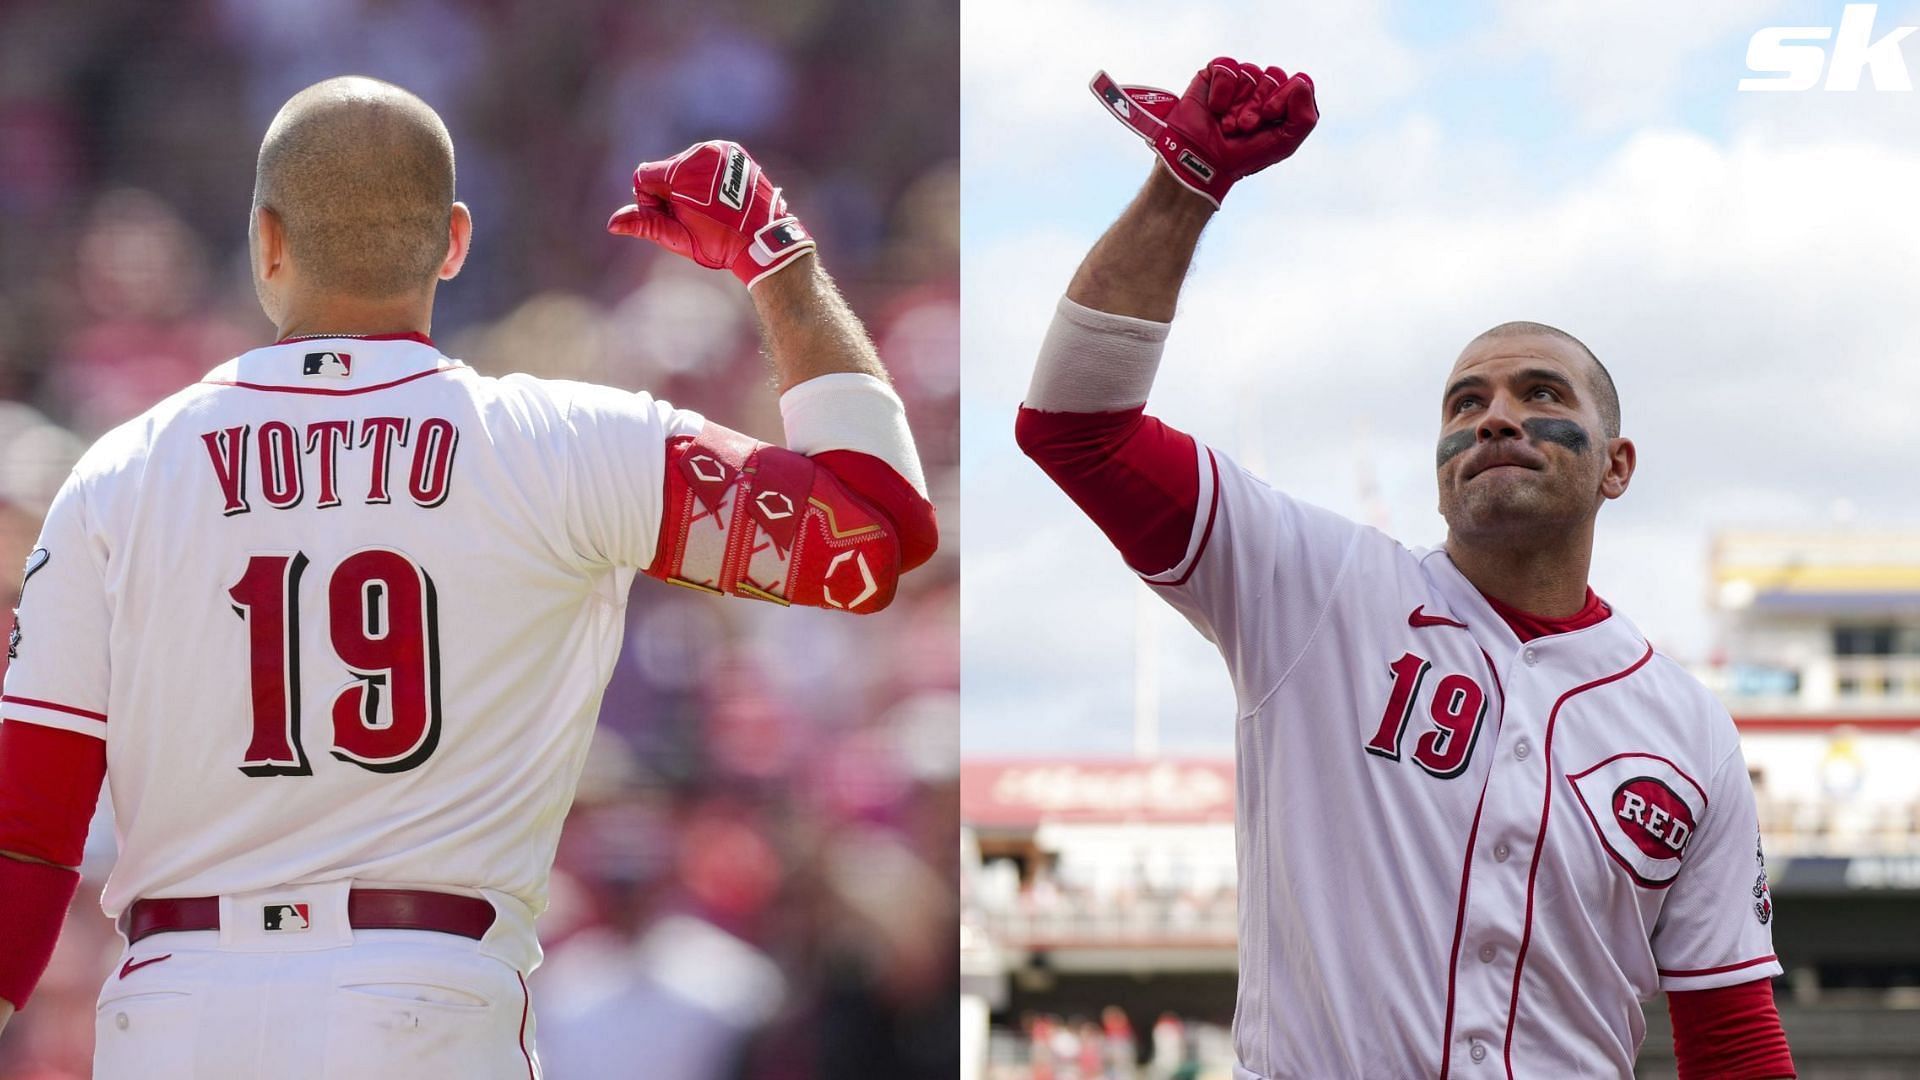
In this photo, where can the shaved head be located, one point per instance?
(1605, 396)
(360, 174)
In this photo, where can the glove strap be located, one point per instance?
(773, 246)
(1145, 109)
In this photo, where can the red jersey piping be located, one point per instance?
(1755, 962)
(55, 706)
(1540, 841)
(327, 391)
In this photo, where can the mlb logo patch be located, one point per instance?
(783, 234)
(336, 364)
(286, 918)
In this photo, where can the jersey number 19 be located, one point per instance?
(383, 623)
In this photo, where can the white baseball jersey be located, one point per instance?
(1460, 855)
(344, 610)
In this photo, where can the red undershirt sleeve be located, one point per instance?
(1729, 1033)
(49, 782)
(1135, 477)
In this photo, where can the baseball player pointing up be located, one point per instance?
(334, 622)
(1541, 822)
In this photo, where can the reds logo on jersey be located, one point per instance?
(1657, 821)
(1645, 811)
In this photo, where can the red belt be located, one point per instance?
(367, 909)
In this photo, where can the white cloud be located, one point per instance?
(1619, 64)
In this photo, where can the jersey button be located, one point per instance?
(1521, 750)
(1486, 954)
(1530, 656)
(1478, 1052)
(1500, 853)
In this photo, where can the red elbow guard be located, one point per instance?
(746, 518)
(33, 904)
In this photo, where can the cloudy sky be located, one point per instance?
(1747, 264)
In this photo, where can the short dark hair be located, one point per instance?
(1606, 394)
(360, 173)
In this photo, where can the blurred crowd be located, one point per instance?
(1052, 1047)
(757, 880)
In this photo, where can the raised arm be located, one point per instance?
(1083, 421)
(808, 328)
(835, 516)
(1137, 267)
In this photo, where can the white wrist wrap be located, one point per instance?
(848, 410)
(1092, 361)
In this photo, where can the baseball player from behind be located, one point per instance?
(334, 622)
(1479, 818)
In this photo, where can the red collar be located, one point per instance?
(407, 336)
(1527, 626)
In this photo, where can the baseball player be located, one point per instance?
(334, 622)
(1479, 818)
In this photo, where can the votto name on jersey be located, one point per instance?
(282, 462)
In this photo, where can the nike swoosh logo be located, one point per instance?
(34, 562)
(131, 966)
(1418, 618)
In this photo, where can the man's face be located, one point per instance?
(1522, 445)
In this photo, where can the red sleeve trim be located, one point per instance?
(1756, 962)
(49, 783)
(1729, 1033)
(13, 699)
(1213, 512)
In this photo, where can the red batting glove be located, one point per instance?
(1234, 120)
(711, 203)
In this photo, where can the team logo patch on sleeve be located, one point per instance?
(1644, 810)
(338, 365)
(1762, 895)
(35, 561)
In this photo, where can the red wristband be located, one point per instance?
(33, 903)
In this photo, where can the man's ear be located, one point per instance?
(1621, 459)
(459, 237)
(268, 238)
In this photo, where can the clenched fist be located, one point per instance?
(712, 204)
(1234, 120)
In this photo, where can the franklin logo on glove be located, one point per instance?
(712, 203)
(734, 189)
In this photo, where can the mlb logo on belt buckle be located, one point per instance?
(286, 918)
(337, 364)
